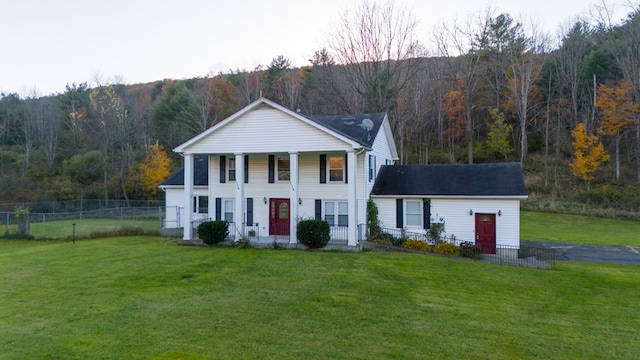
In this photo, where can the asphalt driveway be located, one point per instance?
(628, 255)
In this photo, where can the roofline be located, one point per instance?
(389, 134)
(454, 197)
(182, 186)
(182, 147)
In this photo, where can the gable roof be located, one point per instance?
(261, 103)
(200, 174)
(474, 180)
(361, 128)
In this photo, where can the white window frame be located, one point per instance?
(412, 215)
(227, 210)
(339, 213)
(286, 171)
(232, 168)
(341, 169)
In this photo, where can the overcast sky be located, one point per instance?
(46, 44)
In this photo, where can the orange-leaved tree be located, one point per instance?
(588, 154)
(618, 111)
(155, 169)
(455, 120)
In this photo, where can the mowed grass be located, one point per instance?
(63, 229)
(147, 298)
(578, 229)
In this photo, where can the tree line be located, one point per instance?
(489, 88)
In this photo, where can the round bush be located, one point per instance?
(213, 232)
(446, 248)
(416, 245)
(314, 233)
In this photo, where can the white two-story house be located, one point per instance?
(268, 167)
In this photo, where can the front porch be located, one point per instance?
(252, 233)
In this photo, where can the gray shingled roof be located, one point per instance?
(200, 174)
(499, 179)
(355, 127)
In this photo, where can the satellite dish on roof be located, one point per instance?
(367, 124)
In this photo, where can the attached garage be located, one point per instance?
(479, 203)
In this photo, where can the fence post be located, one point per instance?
(160, 218)
(44, 227)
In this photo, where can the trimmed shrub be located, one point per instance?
(470, 250)
(372, 218)
(416, 245)
(435, 232)
(446, 248)
(384, 239)
(213, 232)
(314, 233)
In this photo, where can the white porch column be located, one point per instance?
(238, 213)
(188, 197)
(294, 196)
(352, 234)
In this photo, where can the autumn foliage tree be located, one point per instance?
(498, 137)
(588, 154)
(154, 170)
(454, 113)
(617, 109)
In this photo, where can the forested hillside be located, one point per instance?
(491, 89)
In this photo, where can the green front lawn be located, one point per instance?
(63, 229)
(578, 229)
(147, 298)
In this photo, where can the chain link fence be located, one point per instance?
(80, 219)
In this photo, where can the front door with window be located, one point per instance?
(279, 216)
(486, 232)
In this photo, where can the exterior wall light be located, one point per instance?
(264, 199)
(470, 212)
(499, 212)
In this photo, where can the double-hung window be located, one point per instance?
(413, 213)
(283, 169)
(336, 168)
(232, 169)
(228, 210)
(336, 213)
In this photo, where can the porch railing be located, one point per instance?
(246, 231)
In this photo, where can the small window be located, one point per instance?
(413, 213)
(336, 213)
(336, 168)
(283, 169)
(388, 162)
(228, 210)
(201, 204)
(232, 169)
(372, 167)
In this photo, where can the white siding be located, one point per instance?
(174, 200)
(267, 131)
(382, 151)
(259, 187)
(458, 222)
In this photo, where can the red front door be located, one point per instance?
(486, 232)
(279, 216)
